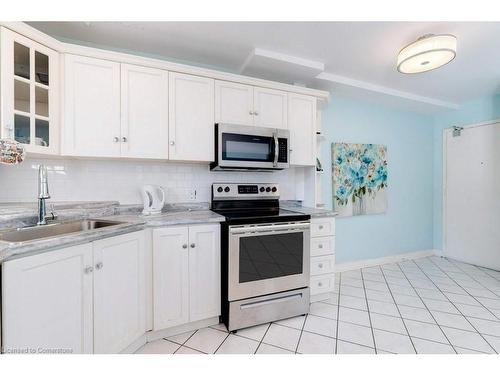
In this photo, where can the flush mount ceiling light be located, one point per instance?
(427, 53)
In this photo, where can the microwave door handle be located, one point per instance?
(276, 149)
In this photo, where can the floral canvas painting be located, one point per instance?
(359, 177)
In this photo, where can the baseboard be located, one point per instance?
(347, 266)
(439, 253)
(156, 335)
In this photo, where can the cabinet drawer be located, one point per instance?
(322, 246)
(322, 284)
(323, 264)
(323, 227)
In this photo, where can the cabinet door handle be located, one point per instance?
(172, 143)
(124, 139)
(320, 246)
(193, 245)
(88, 269)
(99, 266)
(320, 284)
(320, 265)
(251, 112)
(321, 227)
(116, 139)
(185, 246)
(256, 113)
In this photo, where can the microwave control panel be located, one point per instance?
(282, 150)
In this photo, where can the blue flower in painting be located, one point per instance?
(359, 169)
(342, 192)
(366, 159)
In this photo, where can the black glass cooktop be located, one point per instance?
(258, 216)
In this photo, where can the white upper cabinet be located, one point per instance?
(29, 93)
(248, 105)
(170, 277)
(47, 301)
(270, 108)
(191, 118)
(233, 103)
(91, 107)
(144, 112)
(119, 292)
(302, 126)
(204, 271)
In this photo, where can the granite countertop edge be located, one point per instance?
(132, 219)
(131, 222)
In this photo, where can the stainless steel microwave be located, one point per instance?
(239, 147)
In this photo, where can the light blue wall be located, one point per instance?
(408, 224)
(479, 110)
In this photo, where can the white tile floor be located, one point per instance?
(429, 305)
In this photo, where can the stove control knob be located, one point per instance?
(219, 189)
(274, 189)
(262, 189)
(226, 189)
(268, 189)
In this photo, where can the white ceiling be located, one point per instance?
(362, 54)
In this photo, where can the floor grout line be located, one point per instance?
(301, 331)
(401, 316)
(181, 345)
(368, 310)
(262, 338)
(440, 328)
(338, 315)
(459, 310)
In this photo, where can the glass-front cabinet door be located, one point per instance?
(29, 93)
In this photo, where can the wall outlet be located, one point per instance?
(192, 195)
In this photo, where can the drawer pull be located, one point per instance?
(320, 246)
(320, 265)
(321, 227)
(320, 284)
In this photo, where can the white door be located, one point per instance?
(191, 118)
(119, 292)
(170, 277)
(144, 112)
(204, 272)
(233, 103)
(270, 108)
(302, 126)
(30, 92)
(91, 107)
(471, 188)
(47, 301)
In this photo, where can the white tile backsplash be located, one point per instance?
(121, 180)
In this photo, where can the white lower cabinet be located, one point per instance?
(47, 302)
(88, 298)
(186, 274)
(170, 277)
(322, 258)
(119, 292)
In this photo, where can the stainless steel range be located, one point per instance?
(265, 255)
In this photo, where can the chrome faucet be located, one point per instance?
(43, 194)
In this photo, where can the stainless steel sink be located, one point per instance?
(54, 230)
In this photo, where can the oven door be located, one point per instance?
(268, 258)
(249, 147)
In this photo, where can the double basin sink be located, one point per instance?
(54, 230)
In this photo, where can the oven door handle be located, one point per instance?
(270, 228)
(271, 301)
(276, 149)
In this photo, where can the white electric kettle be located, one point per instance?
(153, 197)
